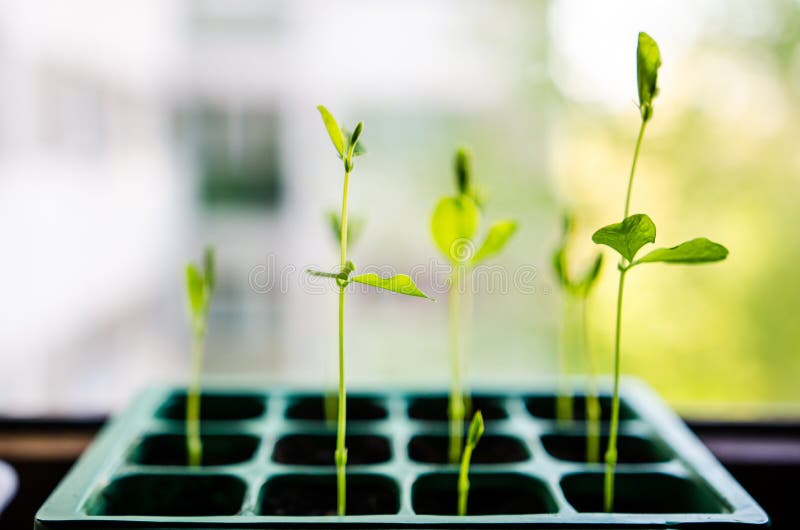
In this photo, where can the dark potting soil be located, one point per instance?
(491, 449)
(298, 495)
(215, 407)
(641, 493)
(489, 494)
(170, 495)
(170, 450)
(312, 408)
(319, 449)
(545, 407)
(436, 408)
(630, 449)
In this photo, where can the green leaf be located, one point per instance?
(195, 289)
(585, 284)
(360, 148)
(210, 268)
(348, 268)
(560, 254)
(333, 129)
(399, 283)
(648, 60)
(454, 222)
(628, 236)
(496, 239)
(475, 429)
(700, 250)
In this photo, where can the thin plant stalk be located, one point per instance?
(564, 399)
(341, 450)
(463, 481)
(194, 445)
(592, 396)
(476, 428)
(467, 313)
(456, 405)
(611, 452)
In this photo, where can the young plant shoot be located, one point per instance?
(473, 436)
(347, 148)
(199, 288)
(633, 232)
(576, 290)
(454, 224)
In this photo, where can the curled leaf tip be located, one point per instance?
(463, 166)
(476, 428)
(648, 61)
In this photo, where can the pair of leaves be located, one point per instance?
(346, 144)
(355, 226)
(648, 61)
(583, 284)
(635, 231)
(454, 223)
(399, 283)
(200, 283)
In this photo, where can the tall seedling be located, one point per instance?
(454, 224)
(633, 232)
(347, 149)
(576, 299)
(199, 288)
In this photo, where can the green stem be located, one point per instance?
(463, 481)
(194, 445)
(592, 398)
(341, 450)
(467, 314)
(456, 405)
(564, 398)
(611, 452)
(340, 455)
(633, 167)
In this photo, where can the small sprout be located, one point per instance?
(577, 290)
(634, 232)
(348, 146)
(454, 225)
(473, 437)
(199, 289)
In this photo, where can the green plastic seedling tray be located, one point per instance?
(268, 454)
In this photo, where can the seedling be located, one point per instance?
(347, 149)
(454, 224)
(199, 288)
(635, 231)
(474, 435)
(577, 291)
